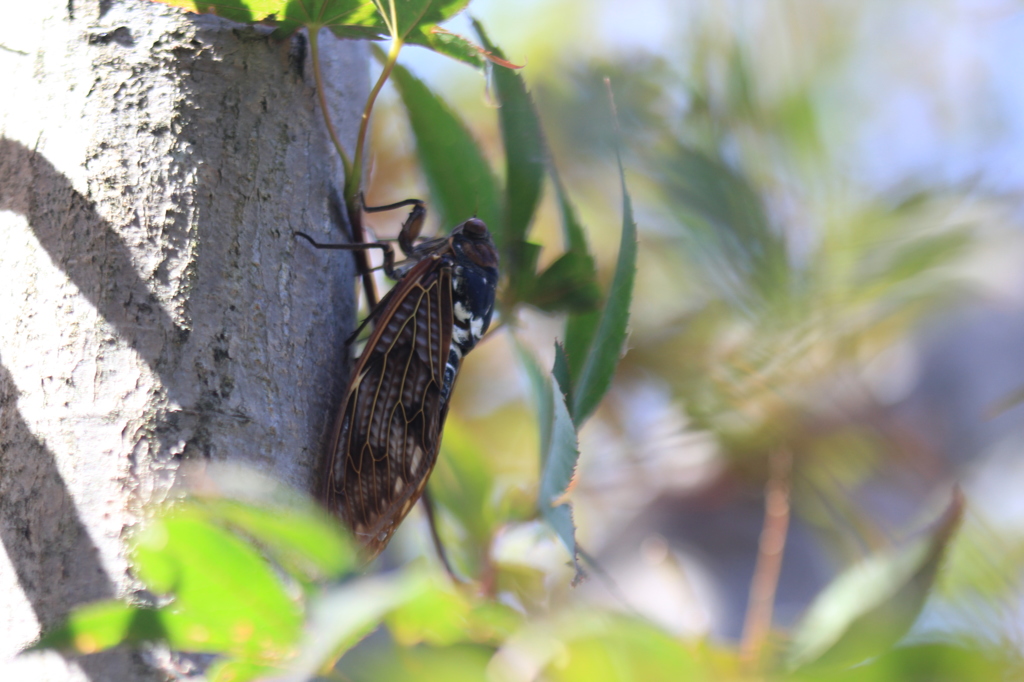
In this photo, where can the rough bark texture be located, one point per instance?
(154, 306)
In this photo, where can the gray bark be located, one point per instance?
(154, 306)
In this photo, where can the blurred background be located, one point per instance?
(830, 287)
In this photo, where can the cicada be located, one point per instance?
(388, 428)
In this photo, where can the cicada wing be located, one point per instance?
(388, 432)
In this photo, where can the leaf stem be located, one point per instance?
(352, 182)
(765, 582)
(314, 49)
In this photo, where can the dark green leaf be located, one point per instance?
(461, 182)
(525, 153)
(871, 606)
(579, 336)
(568, 284)
(579, 327)
(595, 376)
(574, 234)
(561, 373)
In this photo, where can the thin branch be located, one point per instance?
(758, 622)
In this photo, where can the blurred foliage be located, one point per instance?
(771, 282)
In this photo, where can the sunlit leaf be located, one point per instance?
(934, 662)
(437, 616)
(593, 647)
(456, 663)
(625, 650)
(305, 541)
(345, 18)
(226, 597)
(102, 625)
(871, 606)
(232, 670)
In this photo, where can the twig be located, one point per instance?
(763, 585)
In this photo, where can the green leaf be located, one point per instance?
(579, 327)
(591, 646)
(435, 616)
(624, 649)
(346, 18)
(227, 598)
(416, 20)
(346, 614)
(232, 670)
(305, 541)
(449, 44)
(463, 482)
(102, 625)
(568, 284)
(461, 182)
(930, 662)
(609, 336)
(574, 234)
(558, 466)
(560, 372)
(457, 663)
(559, 451)
(413, 15)
(872, 605)
(525, 152)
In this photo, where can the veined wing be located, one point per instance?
(388, 431)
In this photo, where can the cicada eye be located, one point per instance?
(474, 227)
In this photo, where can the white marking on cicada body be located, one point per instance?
(462, 313)
(460, 336)
(476, 327)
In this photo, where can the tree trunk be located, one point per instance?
(154, 307)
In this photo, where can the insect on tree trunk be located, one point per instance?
(155, 308)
